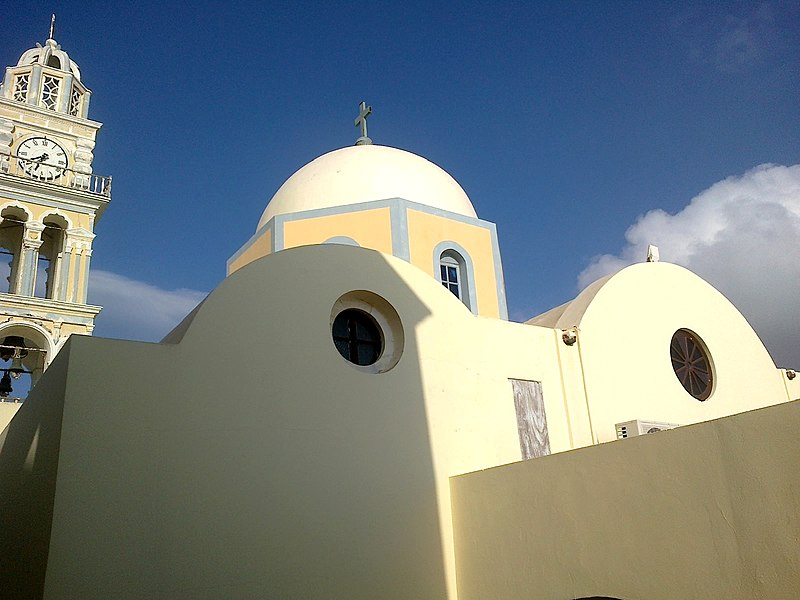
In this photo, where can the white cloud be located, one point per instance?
(743, 236)
(136, 310)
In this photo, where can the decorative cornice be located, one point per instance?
(49, 114)
(38, 307)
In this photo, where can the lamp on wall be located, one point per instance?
(569, 336)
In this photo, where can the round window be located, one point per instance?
(367, 331)
(357, 337)
(691, 363)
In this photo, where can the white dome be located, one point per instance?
(364, 173)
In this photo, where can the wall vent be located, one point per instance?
(637, 427)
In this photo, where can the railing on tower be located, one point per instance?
(87, 182)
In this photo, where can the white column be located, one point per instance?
(83, 162)
(29, 258)
(35, 85)
(63, 271)
(87, 253)
(6, 139)
(66, 94)
(78, 250)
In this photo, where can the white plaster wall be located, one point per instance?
(251, 460)
(247, 458)
(626, 324)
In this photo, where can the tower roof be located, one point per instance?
(50, 55)
(364, 173)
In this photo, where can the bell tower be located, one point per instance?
(49, 202)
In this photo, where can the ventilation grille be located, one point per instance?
(637, 427)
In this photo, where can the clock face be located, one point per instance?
(42, 158)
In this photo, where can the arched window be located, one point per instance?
(12, 229)
(450, 274)
(50, 253)
(455, 273)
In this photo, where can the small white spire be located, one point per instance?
(52, 27)
(652, 253)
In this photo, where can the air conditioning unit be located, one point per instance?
(637, 427)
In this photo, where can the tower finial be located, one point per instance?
(52, 27)
(361, 120)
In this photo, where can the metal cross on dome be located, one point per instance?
(361, 121)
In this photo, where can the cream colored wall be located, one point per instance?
(466, 363)
(706, 512)
(334, 461)
(370, 228)
(274, 453)
(426, 231)
(7, 412)
(260, 247)
(68, 329)
(624, 339)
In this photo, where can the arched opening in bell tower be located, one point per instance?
(12, 230)
(25, 350)
(50, 255)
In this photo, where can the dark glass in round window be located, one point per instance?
(357, 337)
(691, 363)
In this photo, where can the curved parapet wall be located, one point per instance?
(624, 326)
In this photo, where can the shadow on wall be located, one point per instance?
(302, 475)
(29, 449)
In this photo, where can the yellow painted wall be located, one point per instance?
(39, 212)
(260, 247)
(370, 228)
(706, 512)
(426, 231)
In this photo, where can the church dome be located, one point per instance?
(364, 173)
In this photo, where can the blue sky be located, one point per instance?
(566, 123)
